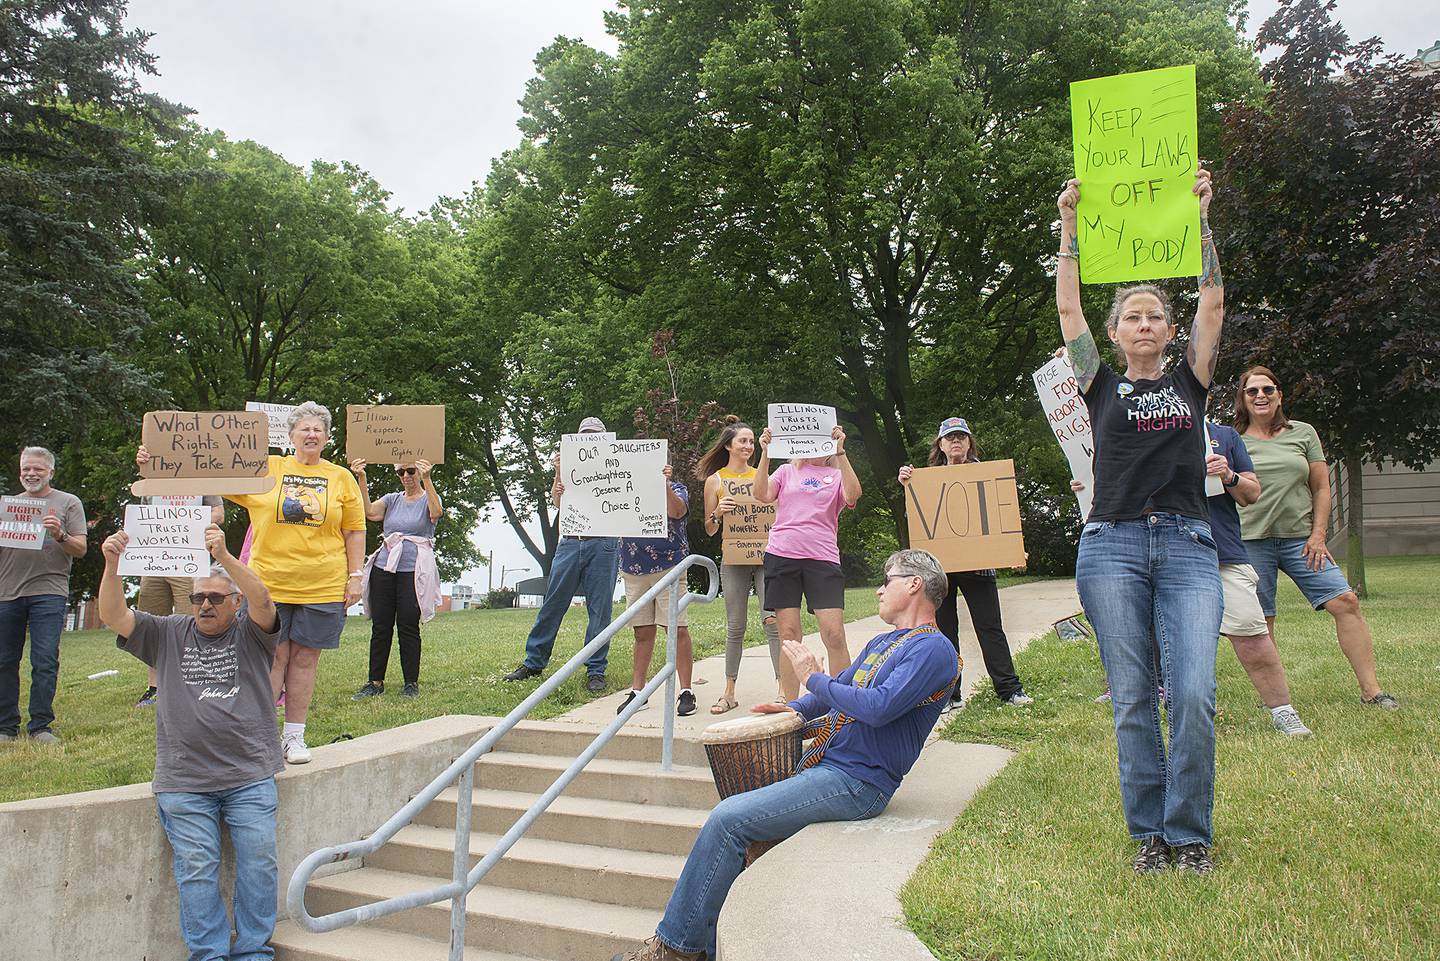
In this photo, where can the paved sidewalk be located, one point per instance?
(1028, 611)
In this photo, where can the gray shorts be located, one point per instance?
(312, 625)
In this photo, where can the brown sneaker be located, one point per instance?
(657, 950)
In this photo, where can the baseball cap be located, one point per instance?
(954, 425)
(592, 425)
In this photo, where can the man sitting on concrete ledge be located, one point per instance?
(868, 725)
(216, 748)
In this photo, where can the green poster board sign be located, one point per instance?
(1135, 157)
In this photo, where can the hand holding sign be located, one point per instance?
(165, 541)
(1134, 148)
(203, 452)
(21, 522)
(801, 430)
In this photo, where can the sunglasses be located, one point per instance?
(405, 471)
(1267, 390)
(214, 597)
(891, 577)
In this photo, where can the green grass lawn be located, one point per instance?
(1325, 848)
(108, 741)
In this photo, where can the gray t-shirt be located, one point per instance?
(405, 517)
(27, 573)
(215, 721)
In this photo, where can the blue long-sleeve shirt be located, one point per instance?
(890, 724)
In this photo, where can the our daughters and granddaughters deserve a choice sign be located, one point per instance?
(613, 488)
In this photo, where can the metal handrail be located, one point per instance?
(462, 769)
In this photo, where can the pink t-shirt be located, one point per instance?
(807, 512)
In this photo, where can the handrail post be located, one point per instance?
(460, 869)
(667, 739)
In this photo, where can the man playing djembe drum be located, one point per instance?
(868, 726)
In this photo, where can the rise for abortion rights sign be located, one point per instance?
(1069, 420)
(613, 488)
(1134, 143)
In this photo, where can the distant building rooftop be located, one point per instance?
(1431, 56)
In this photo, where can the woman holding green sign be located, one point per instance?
(1147, 572)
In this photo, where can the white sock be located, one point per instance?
(686, 690)
(1283, 707)
(293, 729)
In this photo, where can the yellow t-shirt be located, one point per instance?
(734, 484)
(299, 545)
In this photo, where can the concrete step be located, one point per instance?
(364, 942)
(615, 824)
(640, 782)
(524, 923)
(640, 879)
(569, 739)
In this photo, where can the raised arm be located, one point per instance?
(374, 510)
(113, 610)
(849, 480)
(427, 483)
(676, 506)
(1084, 356)
(261, 608)
(762, 491)
(1204, 349)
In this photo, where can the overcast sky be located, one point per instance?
(423, 93)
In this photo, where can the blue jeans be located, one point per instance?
(192, 823)
(45, 615)
(1270, 555)
(770, 813)
(586, 567)
(1151, 588)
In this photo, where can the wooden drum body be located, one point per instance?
(750, 752)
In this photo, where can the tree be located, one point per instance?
(74, 185)
(1331, 220)
(846, 201)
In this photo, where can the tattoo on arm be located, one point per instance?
(1075, 244)
(1085, 358)
(1209, 258)
(1212, 356)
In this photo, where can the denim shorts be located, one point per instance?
(1270, 555)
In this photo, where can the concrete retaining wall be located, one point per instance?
(87, 876)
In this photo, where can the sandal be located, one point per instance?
(724, 704)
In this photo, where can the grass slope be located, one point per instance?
(1325, 847)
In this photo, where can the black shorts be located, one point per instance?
(786, 578)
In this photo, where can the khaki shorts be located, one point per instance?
(656, 611)
(1243, 617)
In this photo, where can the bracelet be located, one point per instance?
(357, 573)
(1068, 253)
(1207, 237)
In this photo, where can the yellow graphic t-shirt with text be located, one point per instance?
(299, 544)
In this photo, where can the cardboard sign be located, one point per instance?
(747, 531)
(178, 500)
(1214, 486)
(800, 430)
(278, 415)
(967, 515)
(165, 541)
(399, 434)
(1069, 420)
(613, 488)
(22, 523)
(1135, 143)
(204, 452)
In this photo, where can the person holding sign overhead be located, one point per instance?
(726, 471)
(803, 556)
(34, 585)
(955, 444)
(1148, 572)
(308, 549)
(401, 585)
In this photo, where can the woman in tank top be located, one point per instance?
(727, 473)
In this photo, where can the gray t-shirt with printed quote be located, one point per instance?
(215, 720)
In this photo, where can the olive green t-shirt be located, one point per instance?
(1283, 467)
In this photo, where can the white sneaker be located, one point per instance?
(1019, 699)
(1288, 722)
(294, 749)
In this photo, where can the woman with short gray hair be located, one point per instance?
(309, 549)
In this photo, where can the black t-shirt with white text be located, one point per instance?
(1149, 444)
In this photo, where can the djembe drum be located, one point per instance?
(750, 752)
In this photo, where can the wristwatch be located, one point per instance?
(1234, 479)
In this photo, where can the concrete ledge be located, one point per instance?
(859, 864)
(88, 874)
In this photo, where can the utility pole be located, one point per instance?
(490, 573)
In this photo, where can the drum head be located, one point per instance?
(754, 728)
